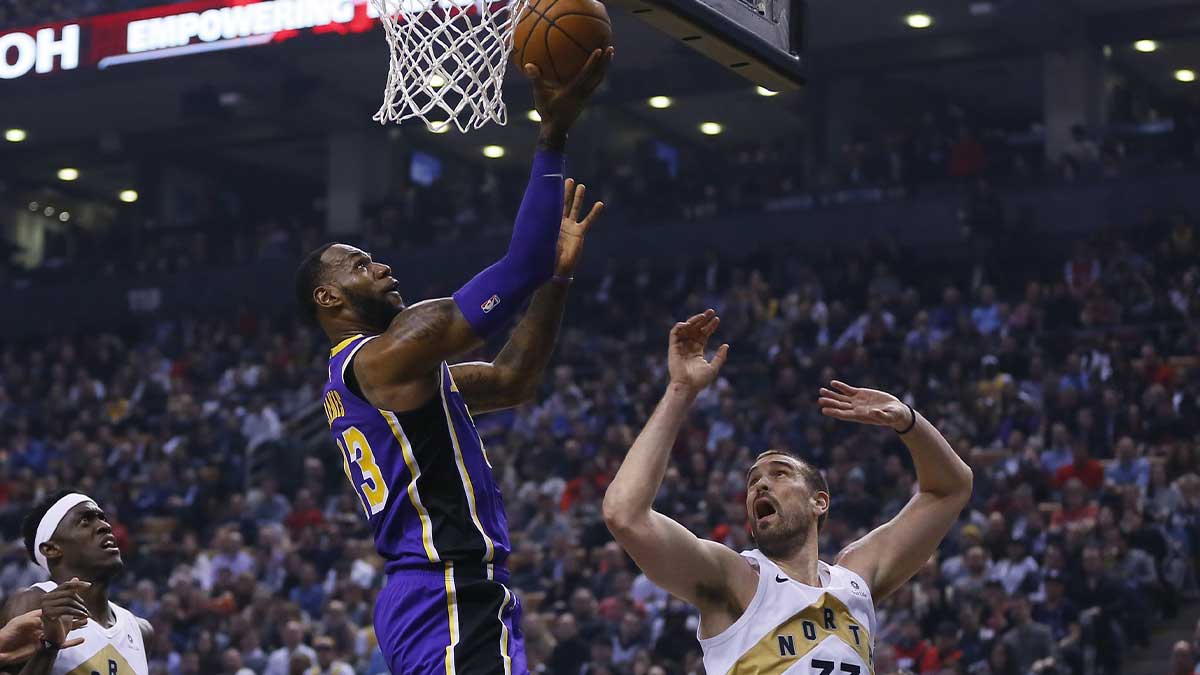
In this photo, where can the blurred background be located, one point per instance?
(987, 208)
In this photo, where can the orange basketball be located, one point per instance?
(559, 35)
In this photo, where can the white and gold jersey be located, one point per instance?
(117, 650)
(796, 629)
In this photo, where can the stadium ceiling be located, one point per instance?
(273, 107)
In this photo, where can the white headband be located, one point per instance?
(50, 523)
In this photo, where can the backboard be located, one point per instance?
(761, 40)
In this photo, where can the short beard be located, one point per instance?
(101, 572)
(375, 312)
(782, 541)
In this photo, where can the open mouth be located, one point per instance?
(764, 509)
(109, 544)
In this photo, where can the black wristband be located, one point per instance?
(554, 141)
(911, 424)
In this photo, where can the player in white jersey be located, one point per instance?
(780, 609)
(68, 535)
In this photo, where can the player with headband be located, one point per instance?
(68, 536)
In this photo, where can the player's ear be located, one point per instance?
(821, 503)
(51, 550)
(327, 295)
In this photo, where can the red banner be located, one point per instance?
(166, 31)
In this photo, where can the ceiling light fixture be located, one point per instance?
(918, 20)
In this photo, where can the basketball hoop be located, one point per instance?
(448, 59)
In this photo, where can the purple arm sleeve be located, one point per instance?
(496, 294)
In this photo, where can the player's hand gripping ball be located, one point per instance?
(557, 36)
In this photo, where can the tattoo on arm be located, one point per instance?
(531, 345)
(419, 339)
(514, 375)
(429, 321)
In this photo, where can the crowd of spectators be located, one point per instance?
(1071, 389)
(657, 183)
(20, 13)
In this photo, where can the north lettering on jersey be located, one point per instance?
(813, 631)
(802, 635)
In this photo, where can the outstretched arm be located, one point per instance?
(891, 554)
(512, 378)
(703, 573)
(424, 335)
(496, 294)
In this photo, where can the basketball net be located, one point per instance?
(448, 59)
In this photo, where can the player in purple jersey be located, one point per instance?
(400, 415)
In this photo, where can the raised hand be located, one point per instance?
(62, 610)
(865, 406)
(560, 104)
(685, 355)
(573, 230)
(20, 638)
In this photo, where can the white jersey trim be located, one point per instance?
(828, 576)
(350, 356)
(760, 594)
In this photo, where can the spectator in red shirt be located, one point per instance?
(1154, 369)
(1086, 469)
(945, 652)
(1076, 509)
(967, 156)
(1082, 272)
(910, 650)
(305, 514)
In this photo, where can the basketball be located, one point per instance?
(557, 36)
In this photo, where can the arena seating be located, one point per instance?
(1073, 391)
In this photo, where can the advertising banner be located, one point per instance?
(166, 31)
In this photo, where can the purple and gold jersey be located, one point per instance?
(422, 476)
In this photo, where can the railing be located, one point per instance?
(303, 432)
(930, 225)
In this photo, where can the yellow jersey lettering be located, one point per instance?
(333, 407)
(374, 489)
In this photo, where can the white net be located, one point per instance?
(448, 59)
